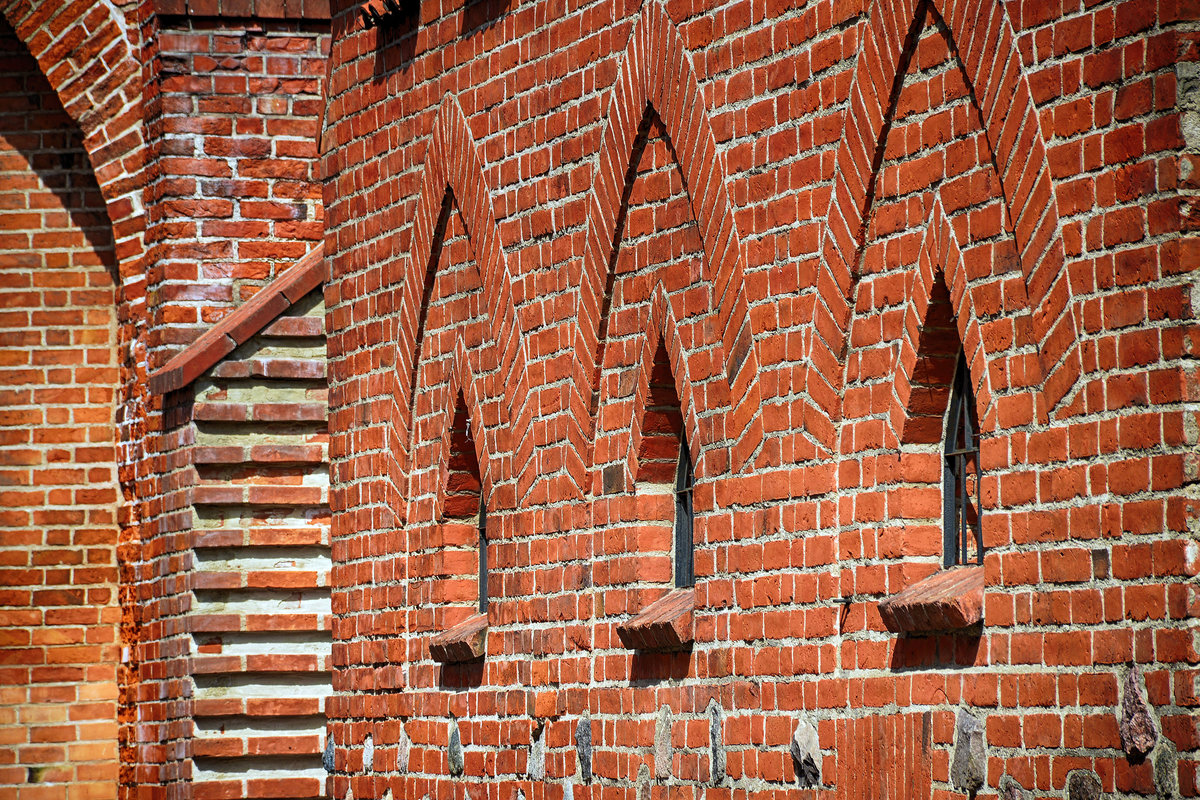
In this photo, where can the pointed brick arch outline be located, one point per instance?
(452, 162)
(987, 48)
(940, 252)
(99, 83)
(661, 327)
(656, 70)
(436, 447)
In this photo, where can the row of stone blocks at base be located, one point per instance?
(891, 751)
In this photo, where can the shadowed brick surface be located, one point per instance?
(59, 613)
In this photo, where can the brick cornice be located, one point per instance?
(236, 328)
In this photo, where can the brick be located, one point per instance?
(465, 641)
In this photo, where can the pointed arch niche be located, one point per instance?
(983, 44)
(479, 324)
(656, 86)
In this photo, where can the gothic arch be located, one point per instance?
(656, 71)
(452, 163)
(940, 252)
(633, 387)
(436, 448)
(987, 50)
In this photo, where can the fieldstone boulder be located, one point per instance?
(537, 755)
(806, 754)
(968, 769)
(715, 742)
(327, 756)
(1083, 784)
(583, 748)
(454, 750)
(1139, 729)
(403, 750)
(662, 744)
(1166, 770)
(1011, 790)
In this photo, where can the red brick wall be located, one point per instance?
(233, 106)
(236, 197)
(59, 614)
(816, 189)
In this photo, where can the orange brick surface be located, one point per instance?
(559, 242)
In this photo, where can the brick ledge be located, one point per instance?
(466, 641)
(946, 601)
(666, 624)
(237, 327)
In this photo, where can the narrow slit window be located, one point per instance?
(684, 546)
(962, 529)
(483, 562)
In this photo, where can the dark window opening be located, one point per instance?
(961, 524)
(684, 545)
(483, 560)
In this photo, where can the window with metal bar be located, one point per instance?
(483, 560)
(684, 546)
(961, 523)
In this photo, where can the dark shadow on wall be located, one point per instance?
(395, 46)
(34, 125)
(457, 677)
(396, 41)
(479, 15)
(650, 669)
(946, 651)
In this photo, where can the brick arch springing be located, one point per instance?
(661, 327)
(656, 71)
(987, 51)
(452, 163)
(99, 82)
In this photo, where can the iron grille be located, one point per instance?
(684, 569)
(962, 530)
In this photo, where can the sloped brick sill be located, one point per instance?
(466, 641)
(666, 624)
(237, 327)
(946, 601)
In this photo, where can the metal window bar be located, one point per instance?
(684, 546)
(483, 560)
(960, 519)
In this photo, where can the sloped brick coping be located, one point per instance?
(236, 328)
(666, 624)
(946, 601)
(466, 641)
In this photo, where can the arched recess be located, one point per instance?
(656, 71)
(632, 388)
(89, 62)
(436, 448)
(452, 163)
(987, 51)
(940, 252)
(99, 82)
(71, 537)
